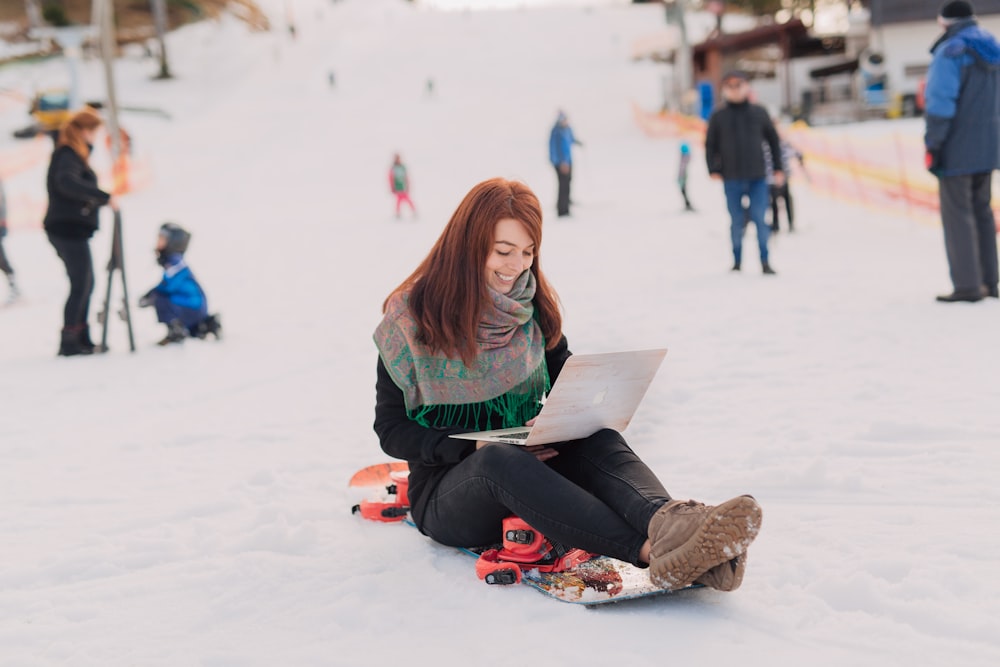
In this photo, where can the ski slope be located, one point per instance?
(188, 506)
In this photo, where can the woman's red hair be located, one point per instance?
(448, 291)
(71, 133)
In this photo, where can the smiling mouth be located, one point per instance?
(504, 278)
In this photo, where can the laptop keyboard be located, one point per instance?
(520, 435)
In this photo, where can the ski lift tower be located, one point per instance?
(70, 39)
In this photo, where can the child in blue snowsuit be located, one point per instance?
(179, 300)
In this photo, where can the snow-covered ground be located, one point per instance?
(188, 506)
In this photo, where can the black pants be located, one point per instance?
(687, 202)
(75, 254)
(970, 233)
(596, 495)
(781, 192)
(4, 263)
(562, 201)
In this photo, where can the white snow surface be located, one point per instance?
(188, 505)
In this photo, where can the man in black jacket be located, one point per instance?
(734, 151)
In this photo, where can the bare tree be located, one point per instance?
(160, 21)
(34, 12)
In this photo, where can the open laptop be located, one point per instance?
(593, 391)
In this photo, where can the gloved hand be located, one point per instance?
(146, 300)
(932, 160)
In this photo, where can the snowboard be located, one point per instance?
(597, 581)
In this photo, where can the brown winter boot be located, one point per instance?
(688, 538)
(726, 577)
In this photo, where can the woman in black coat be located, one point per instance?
(71, 219)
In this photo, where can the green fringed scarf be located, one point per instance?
(508, 379)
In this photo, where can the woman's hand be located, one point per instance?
(542, 452)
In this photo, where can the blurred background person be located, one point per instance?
(5, 266)
(399, 185)
(561, 141)
(72, 219)
(682, 174)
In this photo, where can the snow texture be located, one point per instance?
(188, 505)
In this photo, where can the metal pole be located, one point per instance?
(107, 27)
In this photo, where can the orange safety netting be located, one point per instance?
(884, 170)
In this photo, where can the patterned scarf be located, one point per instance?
(507, 380)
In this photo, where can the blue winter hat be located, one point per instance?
(561, 116)
(685, 149)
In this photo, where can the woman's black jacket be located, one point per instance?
(74, 198)
(429, 451)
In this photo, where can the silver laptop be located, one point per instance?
(593, 391)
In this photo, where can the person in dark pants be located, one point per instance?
(735, 156)
(962, 138)
(460, 356)
(781, 192)
(71, 220)
(5, 265)
(682, 174)
(561, 141)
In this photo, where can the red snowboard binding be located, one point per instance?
(388, 510)
(524, 548)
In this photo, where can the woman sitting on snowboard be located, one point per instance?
(471, 341)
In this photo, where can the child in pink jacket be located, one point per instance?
(399, 184)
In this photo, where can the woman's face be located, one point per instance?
(513, 253)
(89, 135)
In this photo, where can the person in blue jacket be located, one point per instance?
(179, 300)
(962, 138)
(561, 142)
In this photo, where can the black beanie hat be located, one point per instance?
(957, 9)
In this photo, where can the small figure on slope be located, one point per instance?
(179, 300)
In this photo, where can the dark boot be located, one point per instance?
(991, 292)
(176, 333)
(71, 343)
(736, 266)
(969, 295)
(768, 271)
(85, 339)
(210, 325)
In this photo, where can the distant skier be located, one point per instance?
(561, 141)
(682, 174)
(4, 263)
(179, 300)
(781, 191)
(399, 185)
